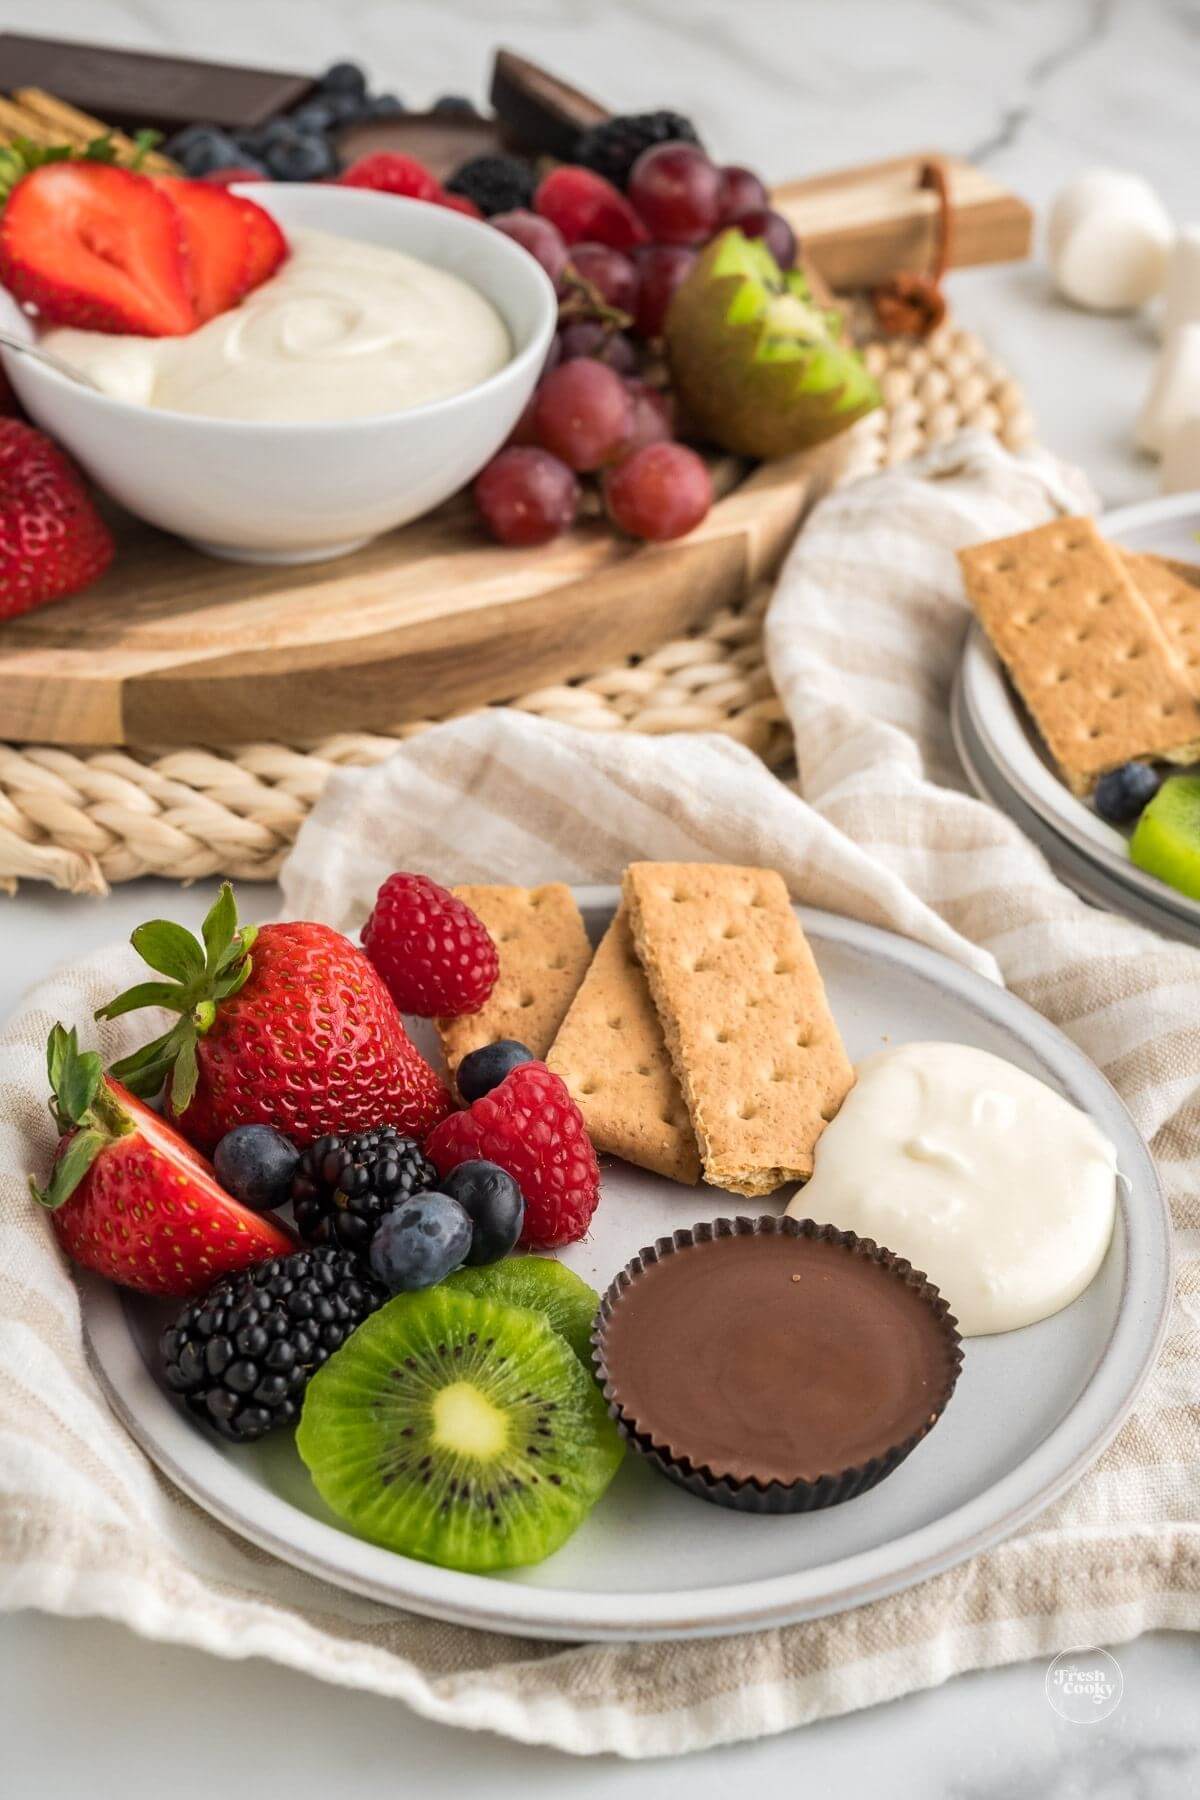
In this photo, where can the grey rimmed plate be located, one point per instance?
(1033, 1408)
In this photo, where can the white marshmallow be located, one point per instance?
(1108, 240)
(1182, 298)
(1181, 457)
(1174, 392)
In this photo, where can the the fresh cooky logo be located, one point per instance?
(1084, 1686)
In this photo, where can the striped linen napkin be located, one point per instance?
(864, 635)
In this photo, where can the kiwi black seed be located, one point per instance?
(544, 1286)
(460, 1430)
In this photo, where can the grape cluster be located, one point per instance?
(600, 409)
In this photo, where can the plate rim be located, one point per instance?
(171, 1441)
(989, 702)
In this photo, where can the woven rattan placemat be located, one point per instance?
(85, 819)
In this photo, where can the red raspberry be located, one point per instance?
(388, 172)
(434, 954)
(585, 207)
(530, 1126)
(460, 203)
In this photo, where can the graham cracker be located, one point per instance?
(611, 1053)
(754, 1045)
(1084, 649)
(544, 953)
(1172, 590)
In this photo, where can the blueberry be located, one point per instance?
(482, 1070)
(419, 1243)
(1123, 793)
(454, 103)
(385, 106)
(300, 158)
(314, 115)
(255, 1164)
(343, 78)
(201, 149)
(494, 1204)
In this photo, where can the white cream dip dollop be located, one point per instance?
(344, 330)
(998, 1188)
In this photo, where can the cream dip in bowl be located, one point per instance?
(360, 386)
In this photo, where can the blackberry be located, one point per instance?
(344, 1185)
(497, 184)
(612, 149)
(240, 1357)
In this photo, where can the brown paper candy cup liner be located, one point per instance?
(771, 1496)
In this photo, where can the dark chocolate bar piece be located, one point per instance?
(133, 88)
(540, 113)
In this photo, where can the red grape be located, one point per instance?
(677, 192)
(663, 268)
(583, 413)
(775, 232)
(588, 337)
(651, 417)
(741, 192)
(585, 207)
(526, 497)
(543, 240)
(611, 274)
(659, 492)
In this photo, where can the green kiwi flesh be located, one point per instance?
(1166, 839)
(757, 362)
(459, 1430)
(544, 1286)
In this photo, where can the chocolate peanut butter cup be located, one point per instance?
(774, 1365)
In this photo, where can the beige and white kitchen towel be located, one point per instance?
(864, 633)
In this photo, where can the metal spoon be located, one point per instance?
(11, 342)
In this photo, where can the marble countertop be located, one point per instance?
(1036, 90)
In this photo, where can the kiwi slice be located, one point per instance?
(459, 1430)
(758, 362)
(544, 1286)
(1166, 841)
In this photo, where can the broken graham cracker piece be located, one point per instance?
(611, 1053)
(1173, 594)
(1084, 649)
(544, 953)
(743, 1010)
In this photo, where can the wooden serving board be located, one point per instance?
(175, 647)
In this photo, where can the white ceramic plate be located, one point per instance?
(1033, 1408)
(1009, 741)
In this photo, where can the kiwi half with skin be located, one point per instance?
(544, 1286)
(758, 363)
(459, 1430)
(1166, 839)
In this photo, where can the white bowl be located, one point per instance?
(300, 492)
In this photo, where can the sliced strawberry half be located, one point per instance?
(130, 1198)
(218, 243)
(97, 246)
(268, 246)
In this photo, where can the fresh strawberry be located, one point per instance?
(460, 203)
(586, 208)
(530, 1125)
(99, 247)
(52, 539)
(218, 243)
(390, 173)
(433, 952)
(227, 177)
(301, 1034)
(268, 246)
(129, 1198)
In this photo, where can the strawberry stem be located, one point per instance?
(86, 1111)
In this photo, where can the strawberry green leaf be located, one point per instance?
(170, 949)
(70, 1168)
(146, 993)
(144, 1071)
(219, 928)
(75, 1077)
(184, 1075)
